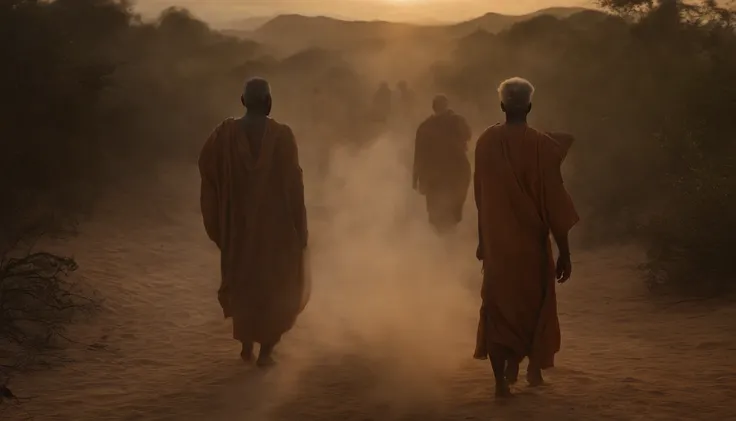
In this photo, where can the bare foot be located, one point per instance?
(246, 353)
(503, 391)
(265, 361)
(247, 357)
(265, 358)
(512, 372)
(534, 378)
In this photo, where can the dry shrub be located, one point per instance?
(649, 93)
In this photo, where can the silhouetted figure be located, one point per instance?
(382, 102)
(406, 100)
(520, 198)
(441, 165)
(252, 201)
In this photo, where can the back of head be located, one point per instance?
(257, 96)
(516, 95)
(440, 104)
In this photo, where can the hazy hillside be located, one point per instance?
(245, 24)
(295, 32)
(494, 22)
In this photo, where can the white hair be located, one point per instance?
(516, 93)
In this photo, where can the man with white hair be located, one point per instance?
(441, 166)
(252, 202)
(521, 199)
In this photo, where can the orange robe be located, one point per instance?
(520, 198)
(441, 166)
(253, 209)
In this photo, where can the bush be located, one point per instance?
(649, 94)
(92, 96)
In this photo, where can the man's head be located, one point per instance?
(257, 96)
(516, 96)
(440, 104)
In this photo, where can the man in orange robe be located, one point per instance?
(252, 201)
(441, 166)
(521, 199)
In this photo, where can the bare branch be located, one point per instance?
(37, 301)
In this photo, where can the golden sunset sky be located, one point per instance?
(218, 11)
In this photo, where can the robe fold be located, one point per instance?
(520, 197)
(441, 167)
(253, 209)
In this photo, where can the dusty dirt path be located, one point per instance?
(369, 349)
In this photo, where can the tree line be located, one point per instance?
(649, 91)
(91, 94)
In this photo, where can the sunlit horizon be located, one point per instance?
(224, 12)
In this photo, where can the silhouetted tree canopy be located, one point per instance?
(651, 103)
(92, 94)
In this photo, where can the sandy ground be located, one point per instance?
(388, 335)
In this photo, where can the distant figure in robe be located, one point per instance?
(521, 199)
(406, 102)
(252, 201)
(441, 166)
(382, 103)
(406, 96)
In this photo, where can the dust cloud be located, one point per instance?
(396, 287)
(390, 328)
(388, 293)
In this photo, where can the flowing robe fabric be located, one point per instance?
(253, 209)
(441, 166)
(520, 196)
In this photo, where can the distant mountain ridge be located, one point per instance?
(299, 31)
(495, 22)
(246, 24)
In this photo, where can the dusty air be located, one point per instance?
(367, 210)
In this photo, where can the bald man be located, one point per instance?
(441, 165)
(252, 202)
